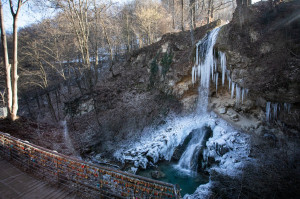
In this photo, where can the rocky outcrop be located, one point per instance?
(263, 55)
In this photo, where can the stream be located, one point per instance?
(188, 181)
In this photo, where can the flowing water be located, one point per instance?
(188, 182)
(67, 138)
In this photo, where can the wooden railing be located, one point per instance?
(85, 178)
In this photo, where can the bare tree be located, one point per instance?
(182, 15)
(6, 63)
(13, 80)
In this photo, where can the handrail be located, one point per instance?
(105, 180)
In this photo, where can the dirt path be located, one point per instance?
(16, 184)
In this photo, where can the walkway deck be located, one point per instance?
(16, 184)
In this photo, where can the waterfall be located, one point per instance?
(204, 67)
(67, 138)
(189, 159)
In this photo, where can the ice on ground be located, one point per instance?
(160, 144)
(203, 191)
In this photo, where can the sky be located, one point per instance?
(30, 14)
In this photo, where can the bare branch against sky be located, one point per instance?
(33, 12)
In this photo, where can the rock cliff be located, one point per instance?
(262, 46)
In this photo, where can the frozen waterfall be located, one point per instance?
(189, 159)
(204, 67)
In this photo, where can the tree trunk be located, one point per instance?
(50, 106)
(192, 13)
(57, 96)
(128, 34)
(192, 21)
(182, 24)
(173, 15)
(28, 107)
(38, 101)
(6, 63)
(109, 46)
(96, 67)
(15, 69)
(209, 11)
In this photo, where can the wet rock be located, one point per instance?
(271, 137)
(157, 174)
(180, 149)
(221, 149)
(234, 117)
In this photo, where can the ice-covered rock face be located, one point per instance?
(160, 144)
(227, 146)
(230, 150)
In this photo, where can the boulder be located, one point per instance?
(157, 174)
(222, 110)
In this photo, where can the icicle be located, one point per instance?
(223, 65)
(193, 75)
(243, 92)
(212, 68)
(215, 65)
(246, 91)
(217, 77)
(229, 82)
(268, 111)
(199, 71)
(197, 54)
(287, 107)
(232, 89)
(238, 94)
(205, 52)
(275, 108)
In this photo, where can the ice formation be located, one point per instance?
(205, 59)
(223, 65)
(217, 77)
(158, 144)
(232, 89)
(273, 110)
(231, 149)
(238, 94)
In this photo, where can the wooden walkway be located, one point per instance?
(15, 184)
